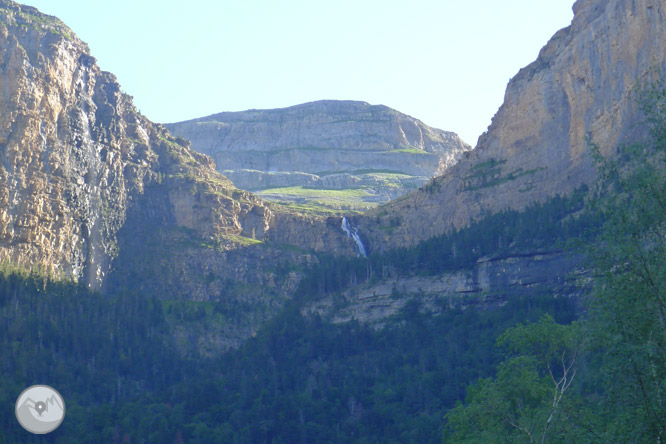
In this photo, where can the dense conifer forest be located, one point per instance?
(299, 380)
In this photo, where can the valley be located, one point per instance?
(337, 271)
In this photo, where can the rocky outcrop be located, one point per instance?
(490, 283)
(580, 88)
(311, 145)
(246, 179)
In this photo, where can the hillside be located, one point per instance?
(339, 155)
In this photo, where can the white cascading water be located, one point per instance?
(353, 234)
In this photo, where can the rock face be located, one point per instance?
(74, 150)
(580, 88)
(324, 145)
(92, 190)
(490, 283)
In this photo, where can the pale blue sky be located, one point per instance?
(445, 62)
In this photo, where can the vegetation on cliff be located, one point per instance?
(542, 227)
(301, 379)
(330, 156)
(619, 349)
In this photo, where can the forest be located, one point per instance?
(537, 369)
(300, 380)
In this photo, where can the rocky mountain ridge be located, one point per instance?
(331, 145)
(580, 89)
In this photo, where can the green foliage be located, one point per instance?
(390, 174)
(314, 209)
(494, 181)
(97, 350)
(629, 307)
(321, 201)
(527, 400)
(490, 166)
(299, 380)
(489, 174)
(242, 240)
(317, 192)
(306, 380)
(28, 17)
(552, 379)
(410, 150)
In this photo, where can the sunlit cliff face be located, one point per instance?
(73, 149)
(581, 89)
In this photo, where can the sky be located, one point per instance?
(445, 62)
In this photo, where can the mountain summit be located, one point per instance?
(326, 145)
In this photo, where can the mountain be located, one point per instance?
(215, 316)
(314, 152)
(93, 191)
(581, 88)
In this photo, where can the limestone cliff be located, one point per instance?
(332, 145)
(92, 190)
(580, 88)
(74, 150)
(490, 283)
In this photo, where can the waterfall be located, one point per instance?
(352, 233)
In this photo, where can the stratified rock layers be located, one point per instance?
(93, 191)
(580, 89)
(324, 145)
(74, 150)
